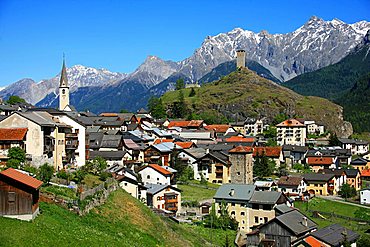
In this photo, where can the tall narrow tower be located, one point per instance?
(63, 88)
(240, 59)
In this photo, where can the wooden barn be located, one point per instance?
(19, 195)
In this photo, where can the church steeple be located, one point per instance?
(63, 88)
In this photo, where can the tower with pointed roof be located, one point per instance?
(63, 88)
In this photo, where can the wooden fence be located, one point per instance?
(332, 214)
(96, 189)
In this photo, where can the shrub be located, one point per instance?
(17, 153)
(104, 175)
(45, 173)
(13, 163)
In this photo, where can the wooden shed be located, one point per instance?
(19, 195)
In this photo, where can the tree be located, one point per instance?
(180, 84)
(14, 99)
(263, 166)
(333, 140)
(124, 111)
(280, 118)
(13, 163)
(95, 166)
(222, 220)
(17, 153)
(179, 109)
(45, 173)
(347, 191)
(156, 107)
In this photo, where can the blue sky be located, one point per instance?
(119, 35)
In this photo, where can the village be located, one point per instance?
(255, 171)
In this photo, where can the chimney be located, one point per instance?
(304, 221)
(232, 192)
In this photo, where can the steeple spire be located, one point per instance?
(63, 76)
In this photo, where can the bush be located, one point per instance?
(45, 173)
(104, 175)
(13, 163)
(62, 174)
(31, 169)
(17, 153)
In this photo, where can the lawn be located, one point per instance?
(121, 221)
(196, 192)
(323, 205)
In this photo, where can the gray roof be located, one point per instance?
(111, 141)
(293, 220)
(335, 235)
(295, 148)
(359, 161)
(108, 155)
(195, 152)
(39, 117)
(317, 177)
(283, 208)
(352, 141)
(242, 192)
(351, 172)
(155, 188)
(265, 197)
(130, 144)
(95, 139)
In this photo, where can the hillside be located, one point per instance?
(121, 221)
(356, 104)
(333, 81)
(245, 94)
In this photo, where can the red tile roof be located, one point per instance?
(108, 114)
(313, 242)
(22, 178)
(365, 173)
(268, 151)
(240, 139)
(320, 161)
(12, 134)
(290, 123)
(289, 181)
(157, 141)
(184, 123)
(185, 145)
(241, 149)
(158, 168)
(219, 128)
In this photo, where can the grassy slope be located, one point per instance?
(323, 205)
(193, 191)
(121, 221)
(247, 94)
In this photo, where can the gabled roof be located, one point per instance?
(295, 148)
(294, 221)
(157, 168)
(265, 197)
(365, 173)
(155, 188)
(12, 134)
(185, 124)
(219, 128)
(130, 144)
(335, 235)
(268, 151)
(241, 149)
(283, 208)
(290, 181)
(110, 155)
(359, 161)
(239, 192)
(336, 172)
(157, 141)
(351, 173)
(185, 145)
(290, 123)
(111, 141)
(320, 160)
(40, 118)
(240, 139)
(317, 177)
(22, 178)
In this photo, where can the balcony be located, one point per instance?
(71, 135)
(173, 200)
(71, 144)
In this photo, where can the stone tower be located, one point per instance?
(241, 170)
(63, 88)
(240, 59)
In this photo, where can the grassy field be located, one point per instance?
(323, 205)
(192, 191)
(121, 221)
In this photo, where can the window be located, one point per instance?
(63, 91)
(255, 219)
(148, 177)
(157, 179)
(265, 219)
(125, 184)
(232, 213)
(242, 213)
(233, 204)
(158, 198)
(11, 196)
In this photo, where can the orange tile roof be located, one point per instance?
(12, 134)
(22, 178)
(290, 123)
(160, 169)
(268, 151)
(240, 139)
(320, 161)
(157, 141)
(185, 145)
(241, 149)
(365, 173)
(108, 114)
(313, 242)
(184, 123)
(219, 128)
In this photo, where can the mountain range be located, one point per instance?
(279, 57)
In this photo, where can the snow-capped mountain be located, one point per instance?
(78, 76)
(314, 45)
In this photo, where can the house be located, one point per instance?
(320, 184)
(353, 178)
(9, 138)
(365, 174)
(197, 136)
(365, 196)
(190, 124)
(340, 177)
(133, 149)
(357, 147)
(335, 235)
(238, 127)
(215, 167)
(265, 185)
(360, 163)
(241, 170)
(156, 174)
(19, 195)
(249, 207)
(313, 128)
(317, 163)
(163, 196)
(293, 154)
(292, 186)
(220, 129)
(189, 157)
(111, 143)
(274, 153)
(112, 157)
(253, 126)
(282, 230)
(160, 153)
(291, 132)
